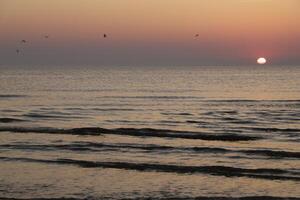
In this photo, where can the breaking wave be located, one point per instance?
(93, 146)
(137, 132)
(262, 173)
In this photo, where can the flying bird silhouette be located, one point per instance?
(197, 35)
(18, 51)
(46, 36)
(104, 35)
(23, 41)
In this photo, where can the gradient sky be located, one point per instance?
(150, 32)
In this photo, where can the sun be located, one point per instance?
(261, 61)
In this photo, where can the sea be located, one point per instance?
(101, 132)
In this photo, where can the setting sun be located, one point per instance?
(261, 61)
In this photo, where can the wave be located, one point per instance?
(237, 121)
(167, 198)
(153, 97)
(142, 132)
(92, 146)
(253, 100)
(272, 154)
(274, 129)
(10, 120)
(196, 122)
(149, 132)
(59, 198)
(12, 96)
(51, 116)
(117, 109)
(261, 173)
(10, 110)
(182, 114)
(102, 109)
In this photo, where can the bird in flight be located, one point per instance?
(104, 35)
(18, 51)
(46, 36)
(197, 35)
(23, 41)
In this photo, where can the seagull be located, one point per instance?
(23, 41)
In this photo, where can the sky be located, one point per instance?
(149, 32)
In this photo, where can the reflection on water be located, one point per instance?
(149, 132)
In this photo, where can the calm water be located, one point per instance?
(158, 132)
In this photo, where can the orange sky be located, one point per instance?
(233, 30)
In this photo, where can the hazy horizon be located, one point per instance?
(149, 33)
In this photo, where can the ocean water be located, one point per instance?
(149, 132)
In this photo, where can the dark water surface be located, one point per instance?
(117, 133)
